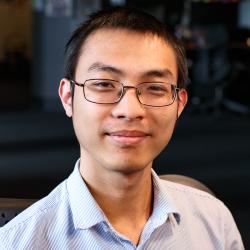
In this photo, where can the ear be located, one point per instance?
(182, 100)
(64, 92)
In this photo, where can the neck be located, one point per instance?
(126, 199)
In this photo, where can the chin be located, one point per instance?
(129, 167)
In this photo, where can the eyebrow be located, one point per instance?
(103, 67)
(97, 66)
(158, 73)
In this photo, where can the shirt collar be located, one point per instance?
(86, 212)
(164, 205)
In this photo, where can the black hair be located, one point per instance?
(123, 18)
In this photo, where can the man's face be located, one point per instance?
(123, 137)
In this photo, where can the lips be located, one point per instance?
(126, 133)
(127, 136)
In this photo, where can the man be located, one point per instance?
(124, 88)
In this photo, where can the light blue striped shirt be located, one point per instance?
(69, 218)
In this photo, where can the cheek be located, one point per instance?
(87, 121)
(164, 125)
(81, 116)
(166, 118)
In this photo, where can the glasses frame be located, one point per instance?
(174, 87)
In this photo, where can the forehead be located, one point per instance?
(127, 50)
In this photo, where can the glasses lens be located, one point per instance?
(156, 94)
(102, 91)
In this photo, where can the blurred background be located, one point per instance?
(211, 142)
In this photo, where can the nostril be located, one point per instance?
(121, 116)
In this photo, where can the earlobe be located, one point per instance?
(64, 92)
(182, 100)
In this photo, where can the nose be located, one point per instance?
(129, 106)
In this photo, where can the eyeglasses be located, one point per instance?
(106, 91)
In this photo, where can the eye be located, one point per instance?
(155, 88)
(102, 85)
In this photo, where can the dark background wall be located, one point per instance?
(211, 142)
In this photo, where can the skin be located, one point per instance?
(119, 142)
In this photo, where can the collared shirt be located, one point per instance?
(70, 218)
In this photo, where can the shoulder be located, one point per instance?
(203, 212)
(185, 191)
(196, 202)
(203, 215)
(30, 224)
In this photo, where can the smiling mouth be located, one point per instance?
(127, 137)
